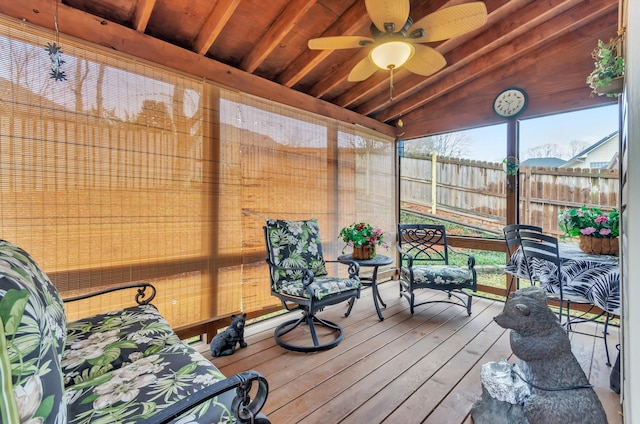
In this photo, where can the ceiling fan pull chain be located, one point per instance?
(391, 86)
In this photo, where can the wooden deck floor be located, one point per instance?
(423, 368)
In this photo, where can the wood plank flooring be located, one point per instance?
(423, 368)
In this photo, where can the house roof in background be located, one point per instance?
(543, 162)
(594, 146)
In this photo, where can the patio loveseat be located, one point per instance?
(126, 366)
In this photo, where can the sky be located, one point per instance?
(590, 125)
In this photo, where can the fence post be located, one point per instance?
(434, 159)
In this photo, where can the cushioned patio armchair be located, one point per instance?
(424, 256)
(299, 275)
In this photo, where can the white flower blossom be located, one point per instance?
(28, 398)
(120, 390)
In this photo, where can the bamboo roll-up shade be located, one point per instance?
(128, 172)
(103, 175)
(295, 165)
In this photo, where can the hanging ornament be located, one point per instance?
(511, 165)
(55, 53)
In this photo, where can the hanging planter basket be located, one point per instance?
(614, 87)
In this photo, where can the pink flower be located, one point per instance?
(601, 219)
(605, 231)
(588, 231)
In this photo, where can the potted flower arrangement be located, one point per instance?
(598, 231)
(364, 238)
(608, 74)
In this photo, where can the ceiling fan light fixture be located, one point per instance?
(392, 54)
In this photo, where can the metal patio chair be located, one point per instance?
(561, 281)
(299, 275)
(512, 241)
(424, 257)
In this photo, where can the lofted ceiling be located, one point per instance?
(260, 46)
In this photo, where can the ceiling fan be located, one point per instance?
(395, 37)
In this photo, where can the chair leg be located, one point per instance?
(604, 336)
(510, 286)
(351, 302)
(311, 321)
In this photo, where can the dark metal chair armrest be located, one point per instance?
(354, 268)
(141, 296)
(404, 254)
(471, 260)
(243, 407)
(307, 279)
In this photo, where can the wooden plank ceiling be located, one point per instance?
(260, 47)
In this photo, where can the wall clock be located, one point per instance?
(510, 103)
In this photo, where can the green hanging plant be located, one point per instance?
(608, 67)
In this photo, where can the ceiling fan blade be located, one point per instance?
(450, 22)
(425, 61)
(393, 12)
(363, 70)
(339, 42)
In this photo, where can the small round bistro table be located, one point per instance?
(375, 262)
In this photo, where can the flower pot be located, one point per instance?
(365, 252)
(599, 246)
(614, 87)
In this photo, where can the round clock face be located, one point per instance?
(510, 103)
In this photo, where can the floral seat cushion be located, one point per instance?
(298, 245)
(141, 389)
(103, 342)
(298, 248)
(321, 287)
(31, 320)
(439, 275)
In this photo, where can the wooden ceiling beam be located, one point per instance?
(142, 14)
(496, 9)
(472, 103)
(220, 15)
(352, 22)
(98, 31)
(507, 47)
(291, 14)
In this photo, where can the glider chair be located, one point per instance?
(512, 240)
(424, 256)
(299, 276)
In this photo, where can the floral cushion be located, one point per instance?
(31, 320)
(100, 343)
(16, 263)
(122, 367)
(321, 286)
(141, 389)
(439, 275)
(295, 244)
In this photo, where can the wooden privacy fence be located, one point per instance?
(475, 192)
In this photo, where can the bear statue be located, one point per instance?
(225, 343)
(559, 389)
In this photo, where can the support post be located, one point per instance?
(434, 181)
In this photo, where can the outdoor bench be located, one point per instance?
(125, 366)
